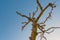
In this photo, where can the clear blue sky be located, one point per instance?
(10, 22)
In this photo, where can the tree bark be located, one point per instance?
(34, 32)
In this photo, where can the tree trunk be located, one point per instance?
(34, 32)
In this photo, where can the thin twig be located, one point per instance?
(50, 31)
(22, 15)
(34, 12)
(24, 25)
(24, 22)
(44, 37)
(49, 16)
(52, 28)
(30, 15)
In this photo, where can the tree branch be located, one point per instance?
(25, 25)
(44, 37)
(24, 16)
(40, 27)
(24, 22)
(52, 30)
(30, 15)
(49, 5)
(49, 16)
(34, 12)
(39, 4)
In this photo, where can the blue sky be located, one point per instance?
(10, 22)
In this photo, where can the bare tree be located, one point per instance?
(35, 24)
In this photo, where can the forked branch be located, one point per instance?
(49, 5)
(25, 23)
